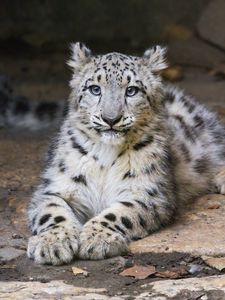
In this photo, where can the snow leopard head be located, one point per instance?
(113, 94)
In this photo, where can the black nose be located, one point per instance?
(111, 121)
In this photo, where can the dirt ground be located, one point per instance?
(21, 161)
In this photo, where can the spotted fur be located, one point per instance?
(121, 164)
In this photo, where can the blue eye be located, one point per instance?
(95, 90)
(131, 91)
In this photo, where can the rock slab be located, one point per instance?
(9, 253)
(52, 290)
(207, 288)
(198, 230)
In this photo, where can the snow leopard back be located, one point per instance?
(197, 143)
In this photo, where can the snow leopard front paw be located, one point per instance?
(98, 241)
(54, 246)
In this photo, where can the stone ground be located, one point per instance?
(185, 260)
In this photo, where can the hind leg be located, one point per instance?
(220, 181)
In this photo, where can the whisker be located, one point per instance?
(96, 123)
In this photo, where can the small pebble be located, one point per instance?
(195, 269)
(120, 293)
(16, 236)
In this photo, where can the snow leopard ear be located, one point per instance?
(80, 56)
(155, 58)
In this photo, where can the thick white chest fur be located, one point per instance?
(104, 168)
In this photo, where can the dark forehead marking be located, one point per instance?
(109, 56)
(141, 83)
(86, 82)
(98, 69)
(132, 71)
(117, 63)
(122, 57)
(143, 89)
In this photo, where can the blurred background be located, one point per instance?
(35, 37)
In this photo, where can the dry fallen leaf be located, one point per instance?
(214, 206)
(77, 271)
(139, 272)
(178, 273)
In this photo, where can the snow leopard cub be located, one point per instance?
(129, 150)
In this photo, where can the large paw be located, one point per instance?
(54, 246)
(98, 242)
(220, 181)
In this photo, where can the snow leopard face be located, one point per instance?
(114, 94)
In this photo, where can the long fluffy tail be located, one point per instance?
(19, 112)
